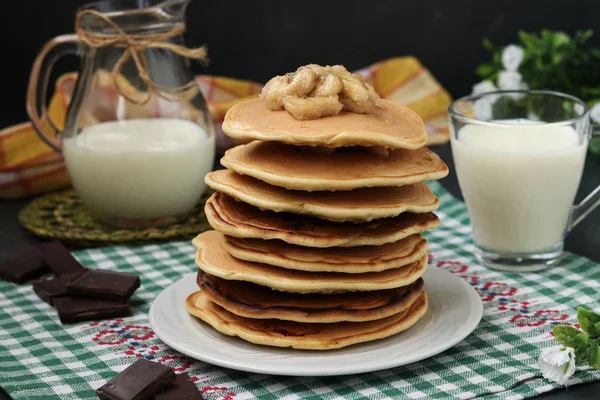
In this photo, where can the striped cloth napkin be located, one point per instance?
(28, 166)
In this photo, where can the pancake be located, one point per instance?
(299, 335)
(353, 260)
(389, 125)
(258, 302)
(358, 205)
(213, 259)
(305, 168)
(242, 220)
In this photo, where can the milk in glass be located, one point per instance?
(140, 168)
(519, 180)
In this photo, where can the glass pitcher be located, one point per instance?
(138, 138)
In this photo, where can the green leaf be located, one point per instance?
(581, 341)
(489, 46)
(581, 356)
(591, 91)
(560, 39)
(595, 148)
(566, 335)
(594, 355)
(587, 320)
(580, 344)
(539, 63)
(529, 40)
(497, 58)
(557, 58)
(485, 70)
(581, 36)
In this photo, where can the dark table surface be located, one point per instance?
(583, 240)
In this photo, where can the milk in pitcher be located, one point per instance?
(140, 168)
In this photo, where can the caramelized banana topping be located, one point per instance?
(314, 91)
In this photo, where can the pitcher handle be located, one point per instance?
(38, 86)
(592, 200)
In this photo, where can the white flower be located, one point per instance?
(484, 87)
(595, 113)
(482, 108)
(510, 80)
(531, 116)
(557, 364)
(512, 57)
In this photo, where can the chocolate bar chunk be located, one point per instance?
(23, 268)
(182, 389)
(139, 381)
(59, 259)
(57, 287)
(46, 290)
(108, 285)
(76, 309)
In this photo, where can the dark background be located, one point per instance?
(262, 38)
(259, 39)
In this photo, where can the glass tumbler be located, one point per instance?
(519, 158)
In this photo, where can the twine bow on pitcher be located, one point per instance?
(134, 45)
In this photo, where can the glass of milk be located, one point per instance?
(519, 157)
(137, 137)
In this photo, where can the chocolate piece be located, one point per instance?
(57, 287)
(139, 381)
(76, 309)
(182, 389)
(23, 268)
(70, 276)
(108, 285)
(59, 259)
(46, 290)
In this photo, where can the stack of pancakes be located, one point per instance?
(317, 241)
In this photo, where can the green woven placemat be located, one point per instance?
(62, 216)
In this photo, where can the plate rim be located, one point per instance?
(339, 370)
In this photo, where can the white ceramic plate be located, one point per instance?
(455, 310)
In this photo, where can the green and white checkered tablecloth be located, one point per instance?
(42, 359)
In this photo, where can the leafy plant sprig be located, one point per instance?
(586, 342)
(554, 60)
